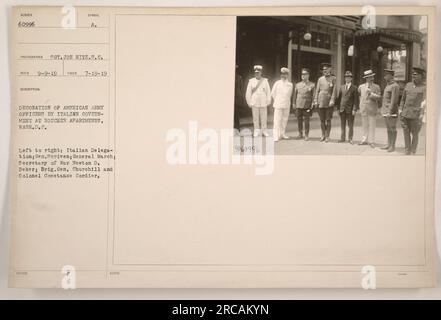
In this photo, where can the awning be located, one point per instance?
(399, 34)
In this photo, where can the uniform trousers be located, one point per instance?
(260, 118)
(391, 123)
(411, 130)
(303, 115)
(281, 116)
(325, 115)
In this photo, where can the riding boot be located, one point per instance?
(392, 141)
(389, 138)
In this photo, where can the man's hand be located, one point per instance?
(368, 93)
(354, 112)
(331, 104)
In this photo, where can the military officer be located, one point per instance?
(370, 95)
(347, 104)
(302, 103)
(324, 98)
(401, 85)
(412, 109)
(389, 108)
(281, 93)
(258, 97)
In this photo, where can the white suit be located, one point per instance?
(258, 96)
(281, 93)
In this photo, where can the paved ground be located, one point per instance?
(314, 146)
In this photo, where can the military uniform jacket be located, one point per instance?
(347, 98)
(326, 91)
(258, 96)
(303, 95)
(391, 95)
(369, 102)
(413, 96)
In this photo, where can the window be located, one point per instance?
(318, 40)
(396, 59)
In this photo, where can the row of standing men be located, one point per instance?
(324, 97)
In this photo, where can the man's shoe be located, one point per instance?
(300, 136)
(327, 140)
(385, 147)
(322, 139)
(391, 149)
(306, 138)
(372, 145)
(256, 133)
(265, 134)
(286, 137)
(362, 143)
(351, 142)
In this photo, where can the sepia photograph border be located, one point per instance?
(320, 276)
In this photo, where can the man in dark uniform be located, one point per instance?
(389, 108)
(324, 98)
(401, 85)
(302, 103)
(347, 104)
(411, 108)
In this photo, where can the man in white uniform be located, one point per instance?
(258, 97)
(281, 93)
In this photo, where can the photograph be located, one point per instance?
(332, 85)
(266, 151)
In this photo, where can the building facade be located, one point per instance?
(396, 42)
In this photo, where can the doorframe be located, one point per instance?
(292, 47)
(337, 56)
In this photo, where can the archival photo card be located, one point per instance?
(265, 147)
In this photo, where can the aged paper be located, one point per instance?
(115, 116)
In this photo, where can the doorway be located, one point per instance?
(310, 60)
